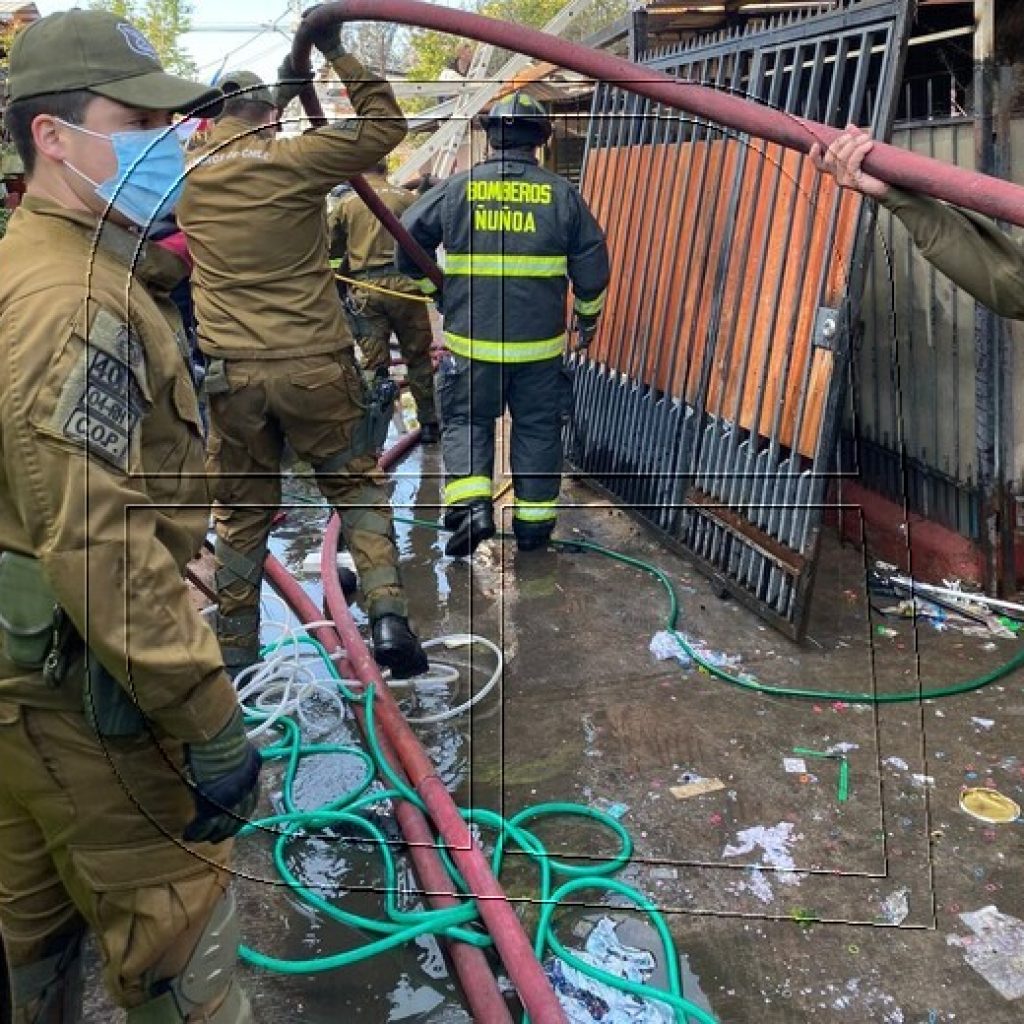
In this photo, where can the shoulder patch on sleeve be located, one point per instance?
(104, 397)
(350, 128)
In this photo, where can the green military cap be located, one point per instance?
(251, 86)
(101, 53)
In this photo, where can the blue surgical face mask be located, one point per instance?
(149, 177)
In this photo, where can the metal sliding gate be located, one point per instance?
(710, 400)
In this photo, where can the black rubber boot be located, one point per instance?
(396, 646)
(473, 525)
(430, 433)
(531, 538)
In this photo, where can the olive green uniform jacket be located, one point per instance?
(101, 463)
(253, 212)
(971, 250)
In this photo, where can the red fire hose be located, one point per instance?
(405, 753)
(498, 916)
(970, 189)
(478, 982)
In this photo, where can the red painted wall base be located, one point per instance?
(926, 550)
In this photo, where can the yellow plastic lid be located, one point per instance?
(988, 805)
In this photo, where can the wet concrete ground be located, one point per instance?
(807, 932)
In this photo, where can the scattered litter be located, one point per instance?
(842, 748)
(774, 842)
(664, 872)
(859, 994)
(984, 723)
(945, 607)
(759, 886)
(610, 807)
(409, 1003)
(988, 805)
(898, 763)
(586, 1000)
(835, 753)
(794, 765)
(697, 788)
(996, 950)
(803, 917)
(918, 607)
(886, 631)
(665, 646)
(896, 908)
(922, 780)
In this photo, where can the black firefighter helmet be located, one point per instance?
(516, 121)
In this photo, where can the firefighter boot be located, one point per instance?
(470, 524)
(531, 536)
(396, 646)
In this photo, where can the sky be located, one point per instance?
(250, 47)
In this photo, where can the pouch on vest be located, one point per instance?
(216, 380)
(27, 610)
(109, 708)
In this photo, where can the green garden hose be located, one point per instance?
(402, 926)
(460, 922)
(745, 682)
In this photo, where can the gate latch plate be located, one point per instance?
(827, 325)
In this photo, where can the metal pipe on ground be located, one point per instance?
(970, 189)
(475, 976)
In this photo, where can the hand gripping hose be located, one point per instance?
(991, 196)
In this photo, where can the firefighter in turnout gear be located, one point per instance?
(282, 365)
(361, 241)
(126, 768)
(515, 235)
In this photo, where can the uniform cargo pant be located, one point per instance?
(383, 315)
(90, 837)
(316, 403)
(472, 395)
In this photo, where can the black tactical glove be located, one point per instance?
(225, 773)
(289, 83)
(586, 328)
(326, 40)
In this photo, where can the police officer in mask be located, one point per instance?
(126, 768)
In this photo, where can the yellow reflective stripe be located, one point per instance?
(505, 351)
(500, 264)
(467, 488)
(591, 307)
(425, 285)
(536, 511)
(336, 263)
